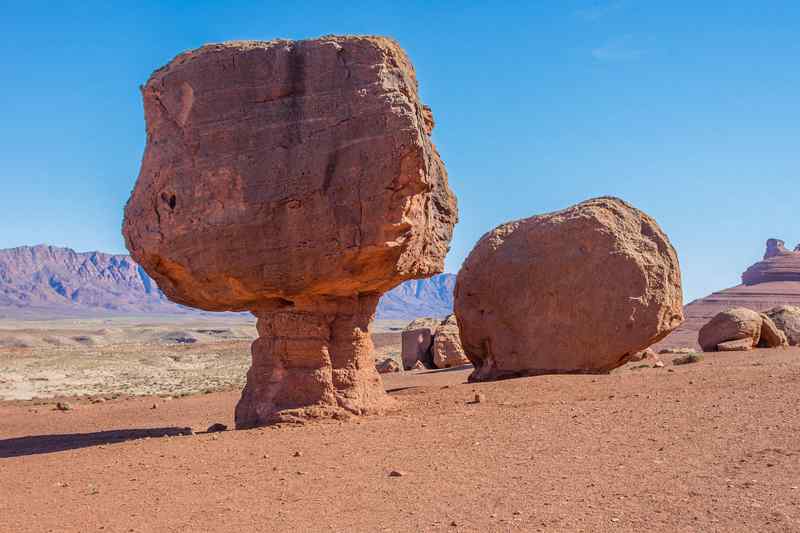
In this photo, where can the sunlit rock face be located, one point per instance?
(296, 180)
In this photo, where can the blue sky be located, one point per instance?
(689, 110)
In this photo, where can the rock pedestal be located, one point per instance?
(296, 180)
(312, 364)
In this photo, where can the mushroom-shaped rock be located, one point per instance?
(296, 180)
(731, 325)
(787, 319)
(575, 291)
(447, 350)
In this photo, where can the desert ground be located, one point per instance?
(708, 446)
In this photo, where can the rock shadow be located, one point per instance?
(39, 444)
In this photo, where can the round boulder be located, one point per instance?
(575, 291)
(731, 325)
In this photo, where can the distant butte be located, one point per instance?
(768, 283)
(779, 264)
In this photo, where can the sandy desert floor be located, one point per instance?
(709, 446)
(108, 357)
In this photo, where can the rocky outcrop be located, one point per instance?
(787, 320)
(763, 295)
(416, 342)
(447, 351)
(740, 328)
(579, 290)
(296, 180)
(731, 325)
(779, 264)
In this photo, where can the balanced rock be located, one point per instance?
(296, 180)
(579, 290)
(447, 349)
(787, 319)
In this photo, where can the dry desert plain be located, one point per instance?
(709, 446)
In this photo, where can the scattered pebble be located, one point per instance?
(396, 473)
(298, 454)
(480, 397)
(64, 406)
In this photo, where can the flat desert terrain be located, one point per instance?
(708, 446)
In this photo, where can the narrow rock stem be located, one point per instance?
(313, 363)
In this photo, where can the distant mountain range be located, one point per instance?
(46, 281)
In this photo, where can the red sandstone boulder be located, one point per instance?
(388, 366)
(787, 320)
(296, 180)
(579, 290)
(731, 325)
(447, 350)
(417, 340)
(771, 335)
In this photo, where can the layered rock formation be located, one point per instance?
(579, 290)
(296, 180)
(779, 264)
(763, 295)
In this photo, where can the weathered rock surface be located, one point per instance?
(416, 345)
(779, 264)
(447, 349)
(771, 335)
(738, 345)
(731, 325)
(578, 290)
(296, 180)
(787, 319)
(388, 366)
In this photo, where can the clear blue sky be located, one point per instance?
(689, 110)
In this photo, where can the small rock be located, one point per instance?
(480, 397)
(154, 406)
(216, 428)
(297, 454)
(63, 406)
(658, 364)
(688, 359)
(396, 473)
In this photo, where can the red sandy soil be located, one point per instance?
(710, 446)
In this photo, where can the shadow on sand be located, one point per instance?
(34, 445)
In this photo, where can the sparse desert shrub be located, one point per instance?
(688, 359)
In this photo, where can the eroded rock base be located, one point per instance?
(315, 363)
